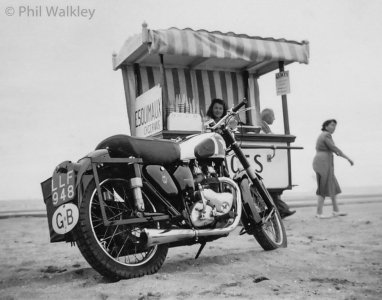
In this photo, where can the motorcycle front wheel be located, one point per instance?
(270, 234)
(116, 251)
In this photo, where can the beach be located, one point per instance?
(337, 258)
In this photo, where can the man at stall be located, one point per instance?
(267, 118)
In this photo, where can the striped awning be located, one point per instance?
(201, 49)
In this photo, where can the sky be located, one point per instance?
(59, 96)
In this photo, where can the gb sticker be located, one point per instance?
(65, 218)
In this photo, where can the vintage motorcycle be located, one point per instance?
(132, 198)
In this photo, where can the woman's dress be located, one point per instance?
(327, 184)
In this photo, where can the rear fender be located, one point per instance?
(84, 173)
(63, 194)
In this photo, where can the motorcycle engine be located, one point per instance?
(212, 200)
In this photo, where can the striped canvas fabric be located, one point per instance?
(198, 87)
(202, 43)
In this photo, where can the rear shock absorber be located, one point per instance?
(136, 185)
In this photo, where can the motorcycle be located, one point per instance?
(126, 203)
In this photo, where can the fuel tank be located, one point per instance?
(166, 184)
(161, 180)
(201, 146)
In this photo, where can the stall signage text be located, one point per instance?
(148, 112)
(274, 172)
(282, 83)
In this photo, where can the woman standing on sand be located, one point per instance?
(327, 184)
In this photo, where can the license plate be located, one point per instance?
(63, 183)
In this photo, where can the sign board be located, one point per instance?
(148, 112)
(184, 121)
(273, 170)
(282, 83)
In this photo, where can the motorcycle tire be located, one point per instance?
(115, 252)
(271, 233)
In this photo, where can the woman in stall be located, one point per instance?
(216, 110)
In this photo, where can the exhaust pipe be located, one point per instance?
(164, 236)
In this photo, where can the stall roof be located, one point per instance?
(211, 50)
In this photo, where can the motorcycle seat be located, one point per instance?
(151, 150)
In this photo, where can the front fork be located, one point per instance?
(256, 180)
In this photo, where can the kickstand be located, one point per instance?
(200, 249)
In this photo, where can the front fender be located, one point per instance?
(250, 217)
(239, 176)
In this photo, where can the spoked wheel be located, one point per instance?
(116, 251)
(271, 234)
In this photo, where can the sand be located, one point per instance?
(338, 258)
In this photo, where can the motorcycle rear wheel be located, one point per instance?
(271, 233)
(115, 251)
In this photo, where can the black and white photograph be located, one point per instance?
(190, 149)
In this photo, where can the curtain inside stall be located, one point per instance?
(191, 91)
(197, 87)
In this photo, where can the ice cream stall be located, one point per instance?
(170, 77)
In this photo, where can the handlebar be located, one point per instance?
(240, 105)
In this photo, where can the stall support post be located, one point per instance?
(285, 104)
(138, 84)
(163, 83)
(130, 98)
(254, 100)
(245, 75)
(286, 127)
